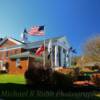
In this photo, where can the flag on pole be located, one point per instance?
(49, 48)
(40, 50)
(36, 31)
(72, 50)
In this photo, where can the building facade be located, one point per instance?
(16, 56)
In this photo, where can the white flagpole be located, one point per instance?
(44, 62)
(44, 55)
(51, 55)
(6, 35)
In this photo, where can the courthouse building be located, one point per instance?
(16, 56)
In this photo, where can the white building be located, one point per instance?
(60, 47)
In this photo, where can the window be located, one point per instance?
(17, 62)
(1, 64)
(10, 53)
(7, 54)
(16, 51)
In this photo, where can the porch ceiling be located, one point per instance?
(24, 55)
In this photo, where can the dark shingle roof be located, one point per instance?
(5, 39)
(36, 43)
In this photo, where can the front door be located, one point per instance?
(2, 66)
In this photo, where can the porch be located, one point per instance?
(3, 67)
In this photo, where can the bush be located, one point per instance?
(96, 67)
(48, 78)
(37, 76)
(96, 79)
(61, 80)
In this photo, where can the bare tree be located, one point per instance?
(75, 60)
(92, 48)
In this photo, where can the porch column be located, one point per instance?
(67, 58)
(56, 55)
(62, 57)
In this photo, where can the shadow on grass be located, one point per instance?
(53, 98)
(23, 87)
(11, 91)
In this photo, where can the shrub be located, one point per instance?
(61, 80)
(37, 76)
(96, 67)
(46, 77)
(96, 79)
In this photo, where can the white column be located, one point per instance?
(67, 59)
(56, 57)
(62, 56)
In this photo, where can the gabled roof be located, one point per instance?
(12, 40)
(61, 41)
(47, 40)
(54, 40)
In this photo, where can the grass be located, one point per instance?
(73, 96)
(98, 95)
(7, 78)
(17, 85)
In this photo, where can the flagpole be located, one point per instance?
(51, 56)
(44, 55)
(6, 35)
(38, 31)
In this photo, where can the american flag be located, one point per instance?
(36, 31)
(40, 50)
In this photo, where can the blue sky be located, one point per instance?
(76, 19)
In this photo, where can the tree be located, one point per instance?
(75, 60)
(92, 49)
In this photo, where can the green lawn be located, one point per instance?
(7, 78)
(32, 94)
(20, 88)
